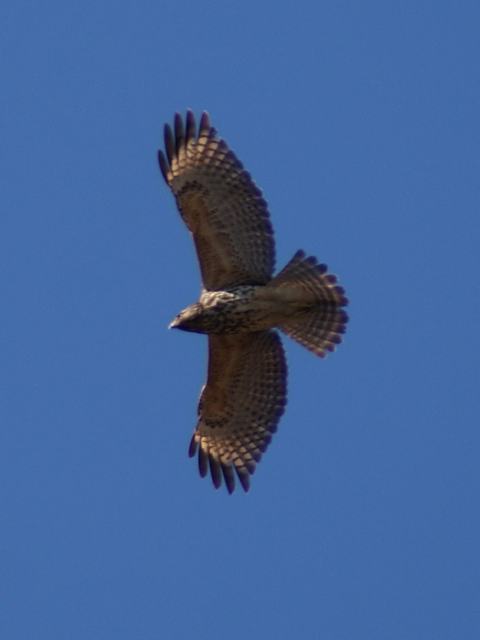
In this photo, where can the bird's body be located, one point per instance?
(242, 303)
(242, 309)
(218, 312)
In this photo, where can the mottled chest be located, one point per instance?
(229, 311)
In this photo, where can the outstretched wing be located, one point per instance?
(240, 405)
(220, 205)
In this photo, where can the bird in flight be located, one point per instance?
(241, 303)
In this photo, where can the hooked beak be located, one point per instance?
(175, 323)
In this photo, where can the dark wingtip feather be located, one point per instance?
(169, 142)
(190, 131)
(205, 125)
(179, 132)
(251, 466)
(244, 478)
(164, 168)
(229, 477)
(215, 471)
(192, 448)
(202, 462)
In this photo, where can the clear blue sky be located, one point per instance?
(360, 121)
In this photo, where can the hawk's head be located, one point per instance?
(190, 319)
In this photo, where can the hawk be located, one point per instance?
(242, 303)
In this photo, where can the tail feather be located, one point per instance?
(320, 324)
(319, 330)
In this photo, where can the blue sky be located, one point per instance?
(359, 120)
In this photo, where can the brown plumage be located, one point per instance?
(241, 303)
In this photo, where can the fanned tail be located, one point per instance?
(321, 320)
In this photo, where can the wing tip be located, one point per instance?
(244, 477)
(220, 471)
(169, 142)
(202, 462)
(163, 164)
(176, 138)
(229, 477)
(192, 447)
(215, 471)
(179, 132)
(205, 125)
(190, 128)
